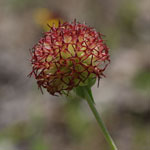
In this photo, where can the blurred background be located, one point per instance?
(32, 121)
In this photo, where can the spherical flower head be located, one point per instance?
(68, 56)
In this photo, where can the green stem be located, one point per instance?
(100, 122)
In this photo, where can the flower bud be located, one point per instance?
(68, 56)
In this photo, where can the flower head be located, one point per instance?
(67, 56)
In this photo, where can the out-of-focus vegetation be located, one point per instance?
(142, 80)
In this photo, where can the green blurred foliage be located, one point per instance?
(23, 5)
(142, 80)
(126, 17)
(19, 132)
(122, 31)
(31, 133)
(76, 119)
(40, 144)
(141, 138)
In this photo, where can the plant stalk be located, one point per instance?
(100, 122)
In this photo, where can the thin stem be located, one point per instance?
(101, 124)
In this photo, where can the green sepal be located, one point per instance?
(85, 91)
(79, 91)
(91, 82)
(88, 92)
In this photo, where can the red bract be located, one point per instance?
(67, 56)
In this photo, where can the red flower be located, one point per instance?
(67, 56)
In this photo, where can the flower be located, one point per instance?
(68, 56)
(44, 16)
